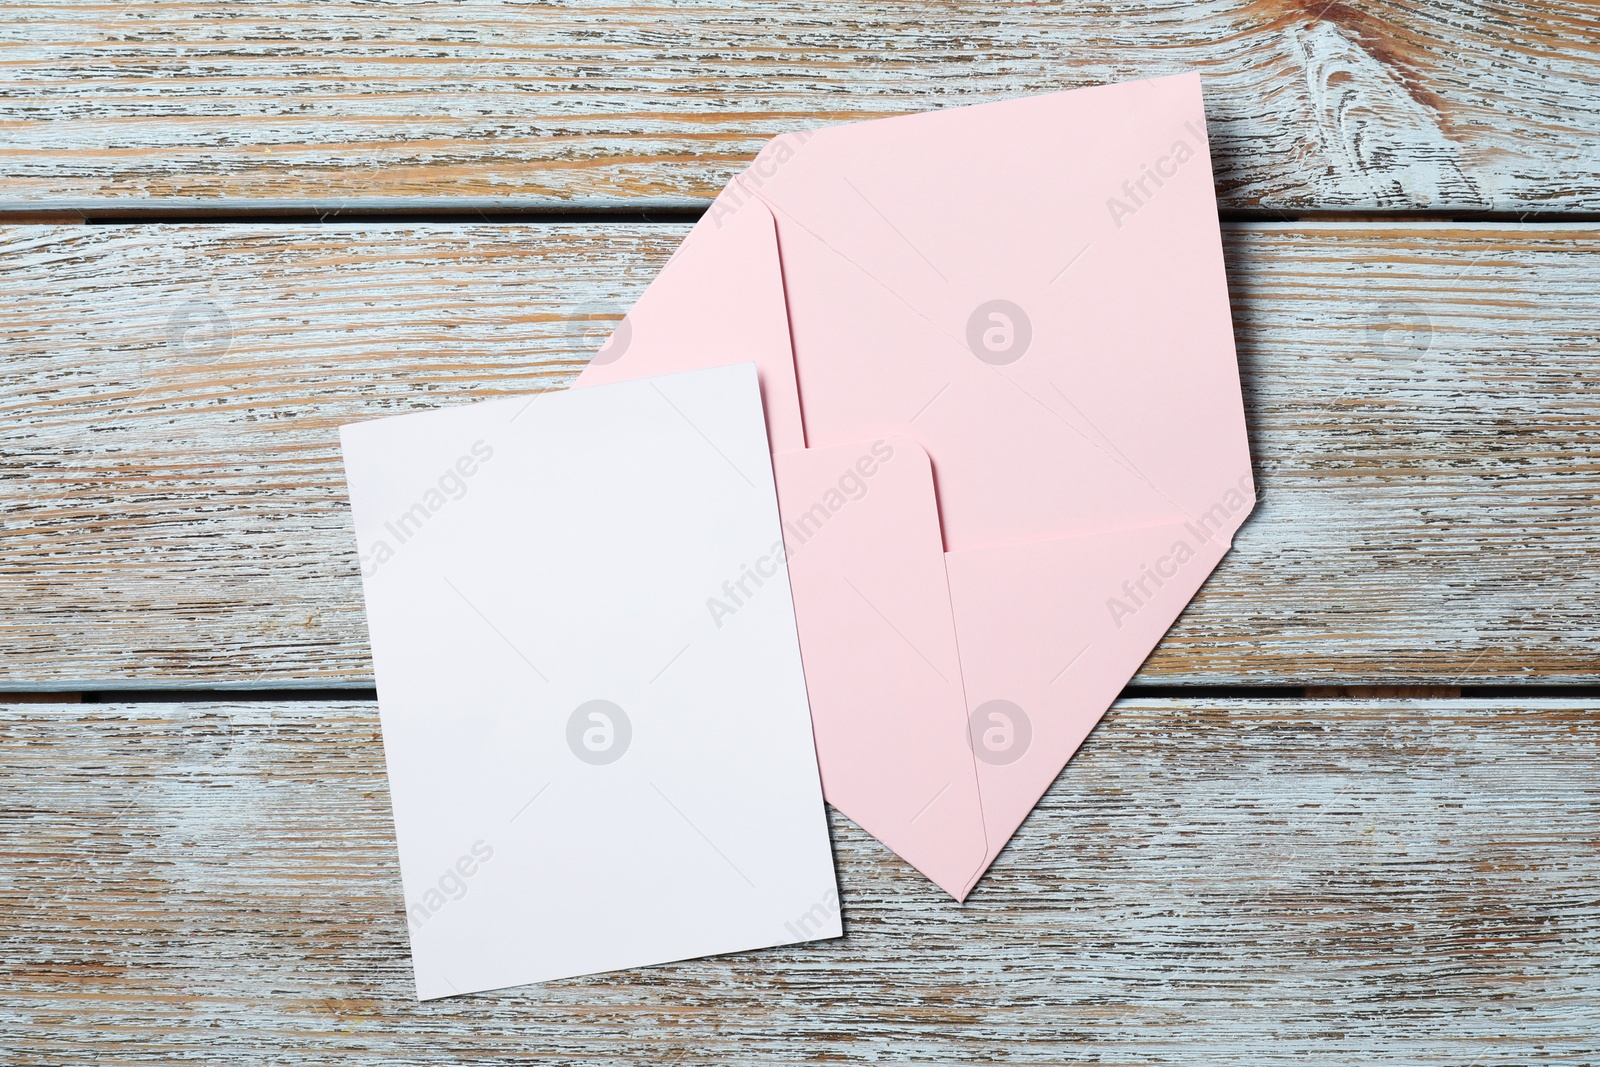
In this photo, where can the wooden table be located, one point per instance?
(1348, 812)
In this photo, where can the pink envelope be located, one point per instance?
(997, 359)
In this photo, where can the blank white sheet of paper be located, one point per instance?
(594, 715)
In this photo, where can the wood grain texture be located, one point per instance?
(1426, 441)
(1249, 882)
(389, 104)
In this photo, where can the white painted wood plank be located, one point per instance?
(385, 104)
(1257, 882)
(173, 509)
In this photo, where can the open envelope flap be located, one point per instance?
(879, 647)
(1051, 631)
(929, 296)
(718, 301)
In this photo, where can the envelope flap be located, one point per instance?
(877, 637)
(1095, 333)
(719, 300)
(1050, 633)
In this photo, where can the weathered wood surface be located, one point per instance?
(1245, 882)
(1426, 439)
(273, 104)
